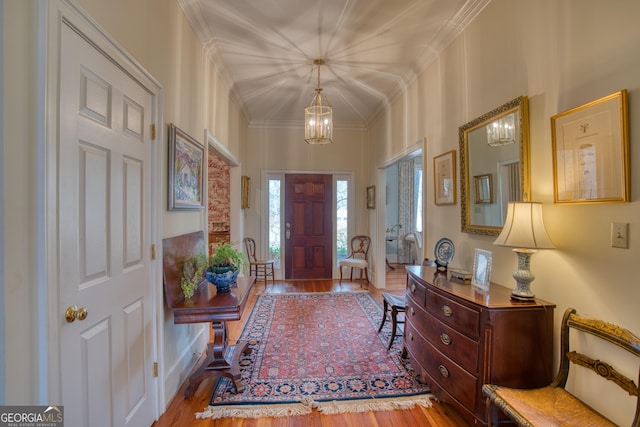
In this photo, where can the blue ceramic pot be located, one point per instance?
(222, 277)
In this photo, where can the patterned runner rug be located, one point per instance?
(318, 350)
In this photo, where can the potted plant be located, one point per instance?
(192, 270)
(224, 264)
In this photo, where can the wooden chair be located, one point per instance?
(260, 269)
(358, 258)
(415, 245)
(553, 405)
(393, 304)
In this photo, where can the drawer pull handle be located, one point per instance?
(446, 339)
(447, 310)
(443, 371)
(410, 336)
(412, 311)
(413, 287)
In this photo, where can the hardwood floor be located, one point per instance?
(181, 411)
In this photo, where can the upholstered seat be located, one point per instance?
(393, 304)
(358, 258)
(261, 269)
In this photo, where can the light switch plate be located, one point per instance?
(619, 235)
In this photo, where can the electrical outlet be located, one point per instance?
(619, 235)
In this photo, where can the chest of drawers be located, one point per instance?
(459, 338)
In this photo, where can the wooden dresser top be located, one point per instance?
(497, 297)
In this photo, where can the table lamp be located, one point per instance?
(524, 230)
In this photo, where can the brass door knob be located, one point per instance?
(73, 312)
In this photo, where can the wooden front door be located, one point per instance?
(308, 226)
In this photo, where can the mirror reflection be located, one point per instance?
(494, 166)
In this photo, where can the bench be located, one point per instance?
(553, 405)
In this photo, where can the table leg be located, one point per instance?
(220, 360)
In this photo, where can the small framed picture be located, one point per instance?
(246, 188)
(371, 197)
(483, 186)
(444, 178)
(481, 269)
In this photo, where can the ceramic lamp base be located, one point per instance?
(523, 275)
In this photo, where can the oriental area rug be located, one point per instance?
(318, 350)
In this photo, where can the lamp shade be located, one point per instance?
(524, 227)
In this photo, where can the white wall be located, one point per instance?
(3, 364)
(19, 205)
(561, 54)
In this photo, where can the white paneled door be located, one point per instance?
(104, 266)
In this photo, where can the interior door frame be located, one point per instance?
(378, 222)
(54, 14)
(3, 376)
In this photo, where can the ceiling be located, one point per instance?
(373, 50)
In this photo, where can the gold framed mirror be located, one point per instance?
(494, 166)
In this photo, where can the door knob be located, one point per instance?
(73, 312)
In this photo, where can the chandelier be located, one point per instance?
(501, 131)
(318, 117)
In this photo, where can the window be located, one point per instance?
(417, 193)
(342, 219)
(274, 220)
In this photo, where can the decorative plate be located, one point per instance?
(444, 251)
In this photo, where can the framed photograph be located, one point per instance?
(246, 188)
(483, 187)
(371, 197)
(444, 178)
(591, 152)
(186, 165)
(481, 269)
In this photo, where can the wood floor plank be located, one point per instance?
(181, 411)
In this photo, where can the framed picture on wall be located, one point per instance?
(371, 197)
(246, 188)
(444, 178)
(186, 166)
(591, 152)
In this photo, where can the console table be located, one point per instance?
(206, 305)
(459, 338)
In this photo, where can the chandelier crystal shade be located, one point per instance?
(502, 131)
(318, 117)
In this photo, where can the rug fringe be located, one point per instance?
(383, 404)
(326, 408)
(256, 411)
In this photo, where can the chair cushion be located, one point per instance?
(395, 300)
(351, 262)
